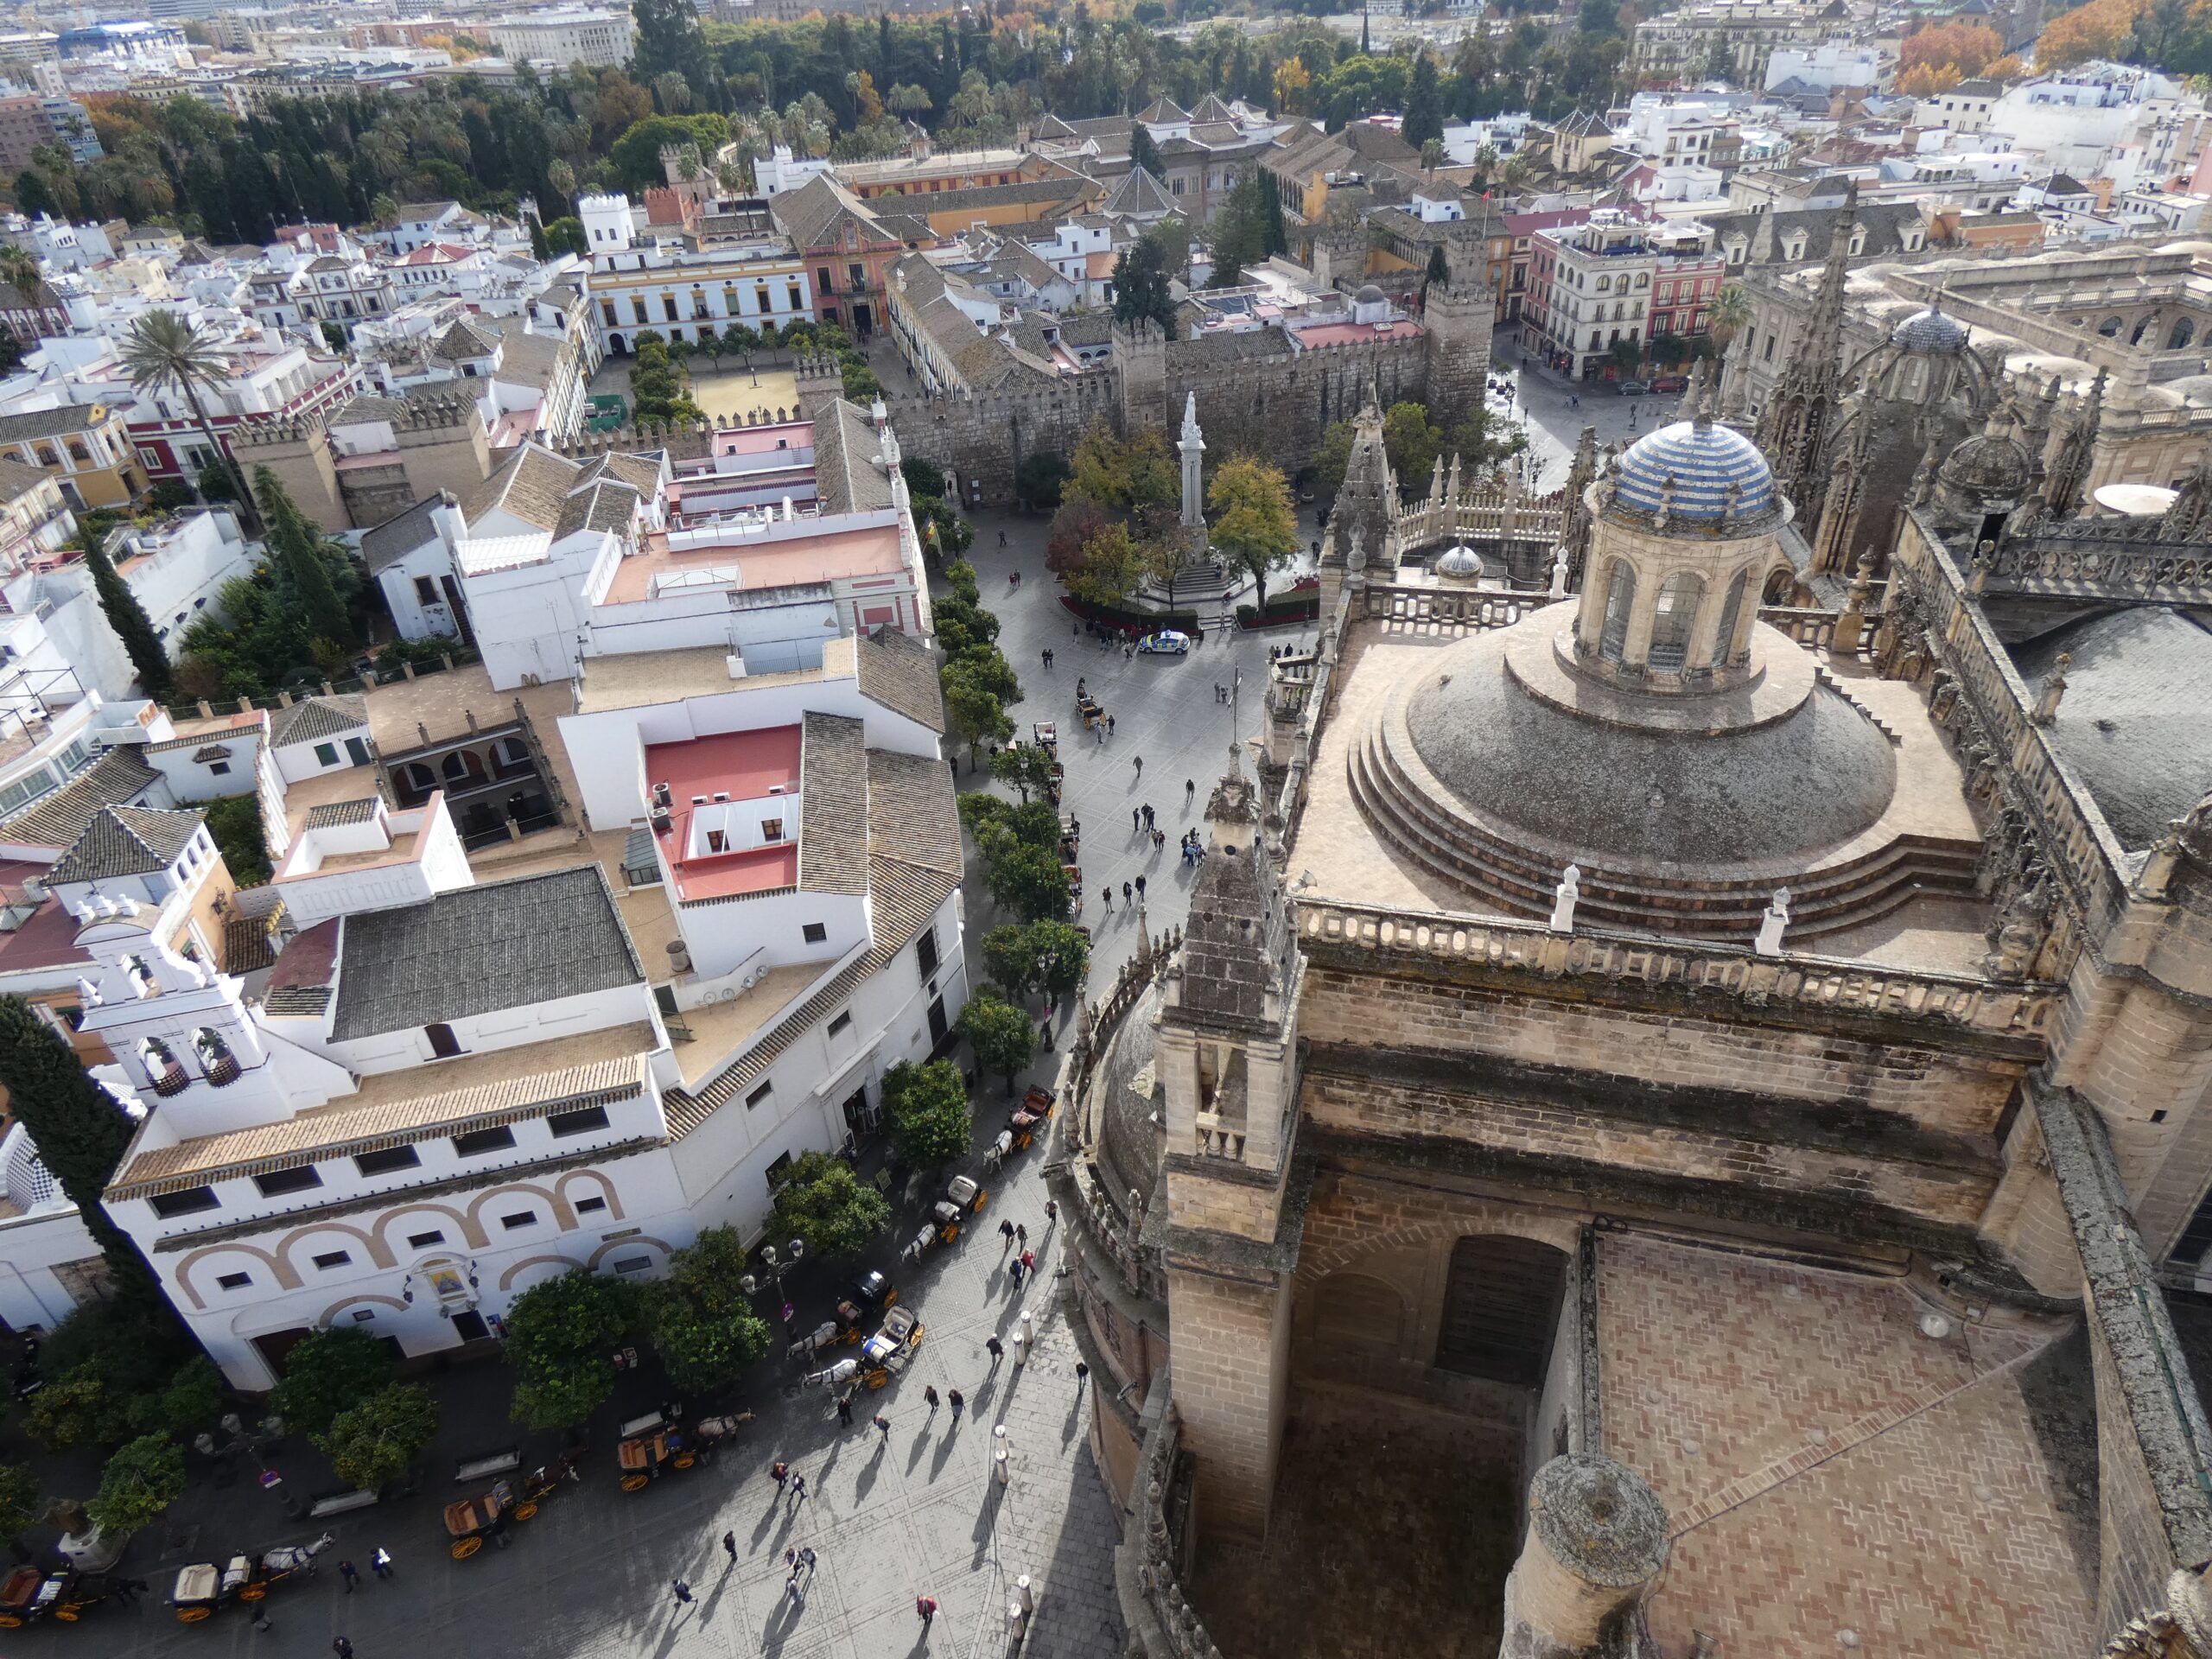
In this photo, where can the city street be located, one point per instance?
(1556, 412)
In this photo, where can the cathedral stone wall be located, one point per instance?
(1232, 1341)
(1948, 1082)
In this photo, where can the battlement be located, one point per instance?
(266, 430)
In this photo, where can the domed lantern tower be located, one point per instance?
(1681, 538)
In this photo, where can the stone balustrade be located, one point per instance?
(2122, 560)
(1163, 1622)
(1847, 986)
(1468, 608)
(2092, 867)
(1813, 629)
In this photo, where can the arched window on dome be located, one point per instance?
(1724, 642)
(2110, 328)
(2185, 331)
(2142, 329)
(1620, 600)
(1672, 620)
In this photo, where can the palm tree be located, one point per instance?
(164, 350)
(1730, 310)
(19, 268)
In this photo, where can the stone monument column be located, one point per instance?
(1192, 449)
(1596, 1541)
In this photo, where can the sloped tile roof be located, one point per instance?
(532, 486)
(847, 452)
(312, 719)
(1139, 193)
(833, 805)
(122, 840)
(607, 504)
(899, 671)
(51, 422)
(116, 779)
(912, 811)
(397, 536)
(473, 950)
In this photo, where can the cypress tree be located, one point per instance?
(128, 620)
(298, 551)
(79, 1131)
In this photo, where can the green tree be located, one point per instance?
(1330, 457)
(1254, 522)
(1000, 1034)
(1424, 113)
(1627, 354)
(141, 1480)
(1729, 312)
(372, 1445)
(189, 1401)
(1025, 766)
(78, 1130)
(76, 1408)
(128, 620)
(1029, 881)
(1140, 279)
(235, 824)
(1037, 481)
(302, 562)
(19, 1505)
(700, 1319)
(924, 478)
(1143, 152)
(926, 1107)
(1010, 957)
(974, 708)
(822, 1203)
(1113, 565)
(1439, 268)
(327, 1373)
(561, 1337)
(1062, 956)
(162, 351)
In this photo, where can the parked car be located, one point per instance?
(1634, 388)
(1668, 385)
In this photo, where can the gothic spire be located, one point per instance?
(1802, 414)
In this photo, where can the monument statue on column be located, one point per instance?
(1193, 449)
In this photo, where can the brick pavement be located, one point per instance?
(1828, 1468)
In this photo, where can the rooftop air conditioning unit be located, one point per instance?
(663, 824)
(722, 795)
(735, 663)
(662, 799)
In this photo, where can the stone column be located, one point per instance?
(1596, 1541)
(1192, 449)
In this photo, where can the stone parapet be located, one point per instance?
(1807, 982)
(1154, 1552)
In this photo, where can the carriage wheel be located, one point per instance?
(634, 1483)
(524, 1511)
(890, 1297)
(465, 1547)
(67, 1615)
(685, 1460)
(254, 1592)
(982, 1199)
(11, 1621)
(191, 1615)
(877, 1379)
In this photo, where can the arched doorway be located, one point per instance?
(1501, 1308)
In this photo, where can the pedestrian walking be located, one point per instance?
(954, 1398)
(1001, 538)
(341, 1647)
(1107, 893)
(806, 1557)
(1148, 815)
(1128, 892)
(883, 1428)
(683, 1592)
(1136, 819)
(1109, 731)
(1190, 788)
(1046, 656)
(996, 1349)
(1029, 1262)
(1078, 685)
(929, 1395)
(1128, 651)
(781, 1474)
(1158, 839)
(1005, 1230)
(844, 1411)
(1139, 886)
(799, 1598)
(925, 1609)
(1014, 1271)
(380, 1563)
(729, 1546)
(798, 1490)
(1051, 1210)
(1021, 1232)
(1082, 1374)
(350, 1573)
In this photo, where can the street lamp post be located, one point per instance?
(778, 1264)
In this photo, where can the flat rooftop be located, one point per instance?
(742, 767)
(839, 549)
(639, 679)
(1828, 1469)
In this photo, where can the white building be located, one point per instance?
(1825, 67)
(685, 286)
(600, 40)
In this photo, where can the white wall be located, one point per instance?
(298, 762)
(414, 619)
(437, 865)
(31, 1247)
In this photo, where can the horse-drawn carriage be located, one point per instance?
(881, 1357)
(204, 1587)
(653, 1443)
(471, 1521)
(962, 1197)
(31, 1593)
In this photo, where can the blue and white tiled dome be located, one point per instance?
(1930, 333)
(1704, 458)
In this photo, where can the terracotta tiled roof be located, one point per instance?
(313, 719)
(341, 1132)
(336, 812)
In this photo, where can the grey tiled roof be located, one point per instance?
(51, 422)
(899, 672)
(475, 950)
(532, 486)
(124, 841)
(912, 813)
(213, 752)
(608, 503)
(312, 719)
(397, 536)
(833, 805)
(847, 454)
(336, 812)
(116, 779)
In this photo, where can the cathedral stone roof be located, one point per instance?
(1705, 463)
(1931, 332)
(1988, 465)
(1130, 1143)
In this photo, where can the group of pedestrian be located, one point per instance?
(1220, 692)
(1194, 850)
(1048, 659)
